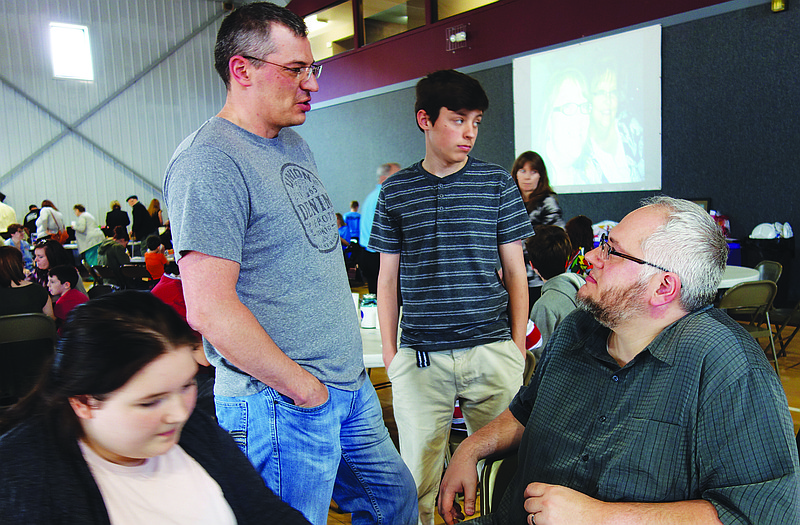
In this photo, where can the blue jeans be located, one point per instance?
(340, 450)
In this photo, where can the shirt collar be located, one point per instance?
(592, 337)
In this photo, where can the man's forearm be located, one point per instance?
(559, 505)
(239, 337)
(502, 434)
(214, 310)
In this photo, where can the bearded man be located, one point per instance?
(649, 405)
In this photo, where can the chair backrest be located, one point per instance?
(769, 271)
(104, 272)
(495, 478)
(100, 289)
(133, 271)
(754, 294)
(530, 365)
(26, 342)
(17, 328)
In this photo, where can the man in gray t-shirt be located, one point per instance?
(256, 235)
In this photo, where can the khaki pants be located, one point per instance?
(485, 378)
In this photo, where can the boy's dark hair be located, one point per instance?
(246, 31)
(153, 242)
(549, 250)
(65, 274)
(579, 229)
(121, 233)
(449, 89)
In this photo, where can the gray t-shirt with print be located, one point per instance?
(258, 202)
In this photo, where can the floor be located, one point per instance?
(790, 376)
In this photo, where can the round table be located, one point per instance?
(737, 274)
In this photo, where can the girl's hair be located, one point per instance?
(115, 205)
(10, 266)
(154, 206)
(49, 203)
(80, 207)
(103, 344)
(56, 255)
(543, 188)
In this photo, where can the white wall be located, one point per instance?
(139, 126)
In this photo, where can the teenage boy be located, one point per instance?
(61, 282)
(440, 226)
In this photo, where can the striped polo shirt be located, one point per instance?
(447, 231)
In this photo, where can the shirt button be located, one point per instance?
(615, 378)
(602, 419)
(585, 457)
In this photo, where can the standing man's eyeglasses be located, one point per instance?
(606, 251)
(298, 72)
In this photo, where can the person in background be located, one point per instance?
(143, 224)
(116, 217)
(155, 213)
(110, 434)
(7, 214)
(581, 235)
(18, 296)
(17, 240)
(61, 282)
(29, 222)
(550, 250)
(48, 254)
(370, 260)
(294, 393)
(440, 226)
(88, 234)
(50, 222)
(113, 253)
(649, 405)
(353, 220)
(530, 174)
(154, 258)
(344, 230)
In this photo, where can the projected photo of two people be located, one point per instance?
(590, 134)
(587, 111)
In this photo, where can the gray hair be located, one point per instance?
(689, 244)
(385, 169)
(246, 31)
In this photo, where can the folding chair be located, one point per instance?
(784, 317)
(769, 271)
(756, 295)
(26, 342)
(496, 475)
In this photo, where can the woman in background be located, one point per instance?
(155, 212)
(48, 254)
(109, 433)
(530, 174)
(18, 296)
(50, 222)
(116, 217)
(88, 235)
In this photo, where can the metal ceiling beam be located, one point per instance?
(72, 128)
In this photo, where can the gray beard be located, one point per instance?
(616, 306)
